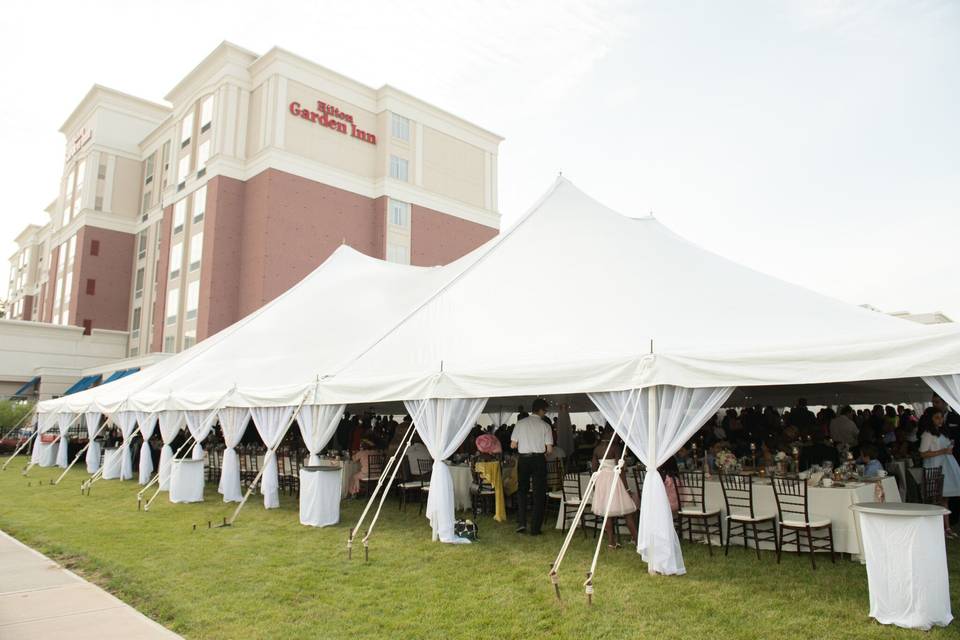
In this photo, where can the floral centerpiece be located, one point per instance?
(726, 461)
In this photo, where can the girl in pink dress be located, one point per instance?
(621, 502)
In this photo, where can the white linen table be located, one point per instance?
(186, 480)
(48, 454)
(906, 563)
(320, 493)
(462, 479)
(827, 503)
(112, 457)
(349, 467)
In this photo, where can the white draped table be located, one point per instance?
(906, 563)
(831, 503)
(320, 493)
(48, 454)
(112, 457)
(186, 480)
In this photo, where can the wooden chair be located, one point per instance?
(411, 484)
(694, 517)
(931, 485)
(572, 495)
(794, 513)
(639, 475)
(214, 459)
(482, 494)
(375, 466)
(742, 518)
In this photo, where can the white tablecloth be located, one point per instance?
(48, 454)
(94, 456)
(906, 564)
(462, 479)
(833, 504)
(112, 457)
(186, 481)
(350, 467)
(320, 494)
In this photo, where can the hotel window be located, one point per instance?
(196, 251)
(199, 203)
(98, 203)
(142, 245)
(134, 351)
(169, 344)
(102, 172)
(399, 213)
(57, 291)
(94, 247)
(203, 154)
(91, 287)
(145, 207)
(182, 172)
(135, 323)
(71, 251)
(61, 258)
(176, 260)
(186, 130)
(179, 215)
(67, 290)
(398, 253)
(138, 284)
(400, 127)
(173, 305)
(87, 327)
(68, 195)
(148, 170)
(78, 191)
(398, 168)
(193, 299)
(206, 113)
(165, 163)
(189, 339)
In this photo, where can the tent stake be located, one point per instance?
(555, 579)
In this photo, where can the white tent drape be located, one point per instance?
(63, 423)
(171, 422)
(443, 424)
(271, 423)
(233, 421)
(598, 419)
(200, 424)
(45, 422)
(318, 423)
(654, 433)
(92, 421)
(148, 423)
(947, 387)
(127, 421)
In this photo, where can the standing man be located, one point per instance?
(533, 440)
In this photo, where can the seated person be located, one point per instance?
(868, 458)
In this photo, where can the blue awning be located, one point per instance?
(28, 386)
(83, 384)
(116, 375)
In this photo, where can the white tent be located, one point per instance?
(680, 329)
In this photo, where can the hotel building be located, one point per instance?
(173, 221)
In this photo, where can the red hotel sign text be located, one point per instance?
(331, 117)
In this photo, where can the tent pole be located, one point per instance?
(652, 417)
(22, 445)
(293, 416)
(20, 422)
(141, 493)
(80, 453)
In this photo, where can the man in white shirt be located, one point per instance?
(533, 440)
(844, 429)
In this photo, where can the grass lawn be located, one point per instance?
(270, 577)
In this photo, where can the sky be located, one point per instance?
(815, 140)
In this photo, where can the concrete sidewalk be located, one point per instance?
(39, 599)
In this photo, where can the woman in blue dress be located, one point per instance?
(937, 451)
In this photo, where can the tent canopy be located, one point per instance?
(362, 331)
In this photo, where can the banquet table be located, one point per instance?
(112, 457)
(320, 493)
(48, 454)
(348, 468)
(906, 563)
(462, 479)
(831, 503)
(186, 480)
